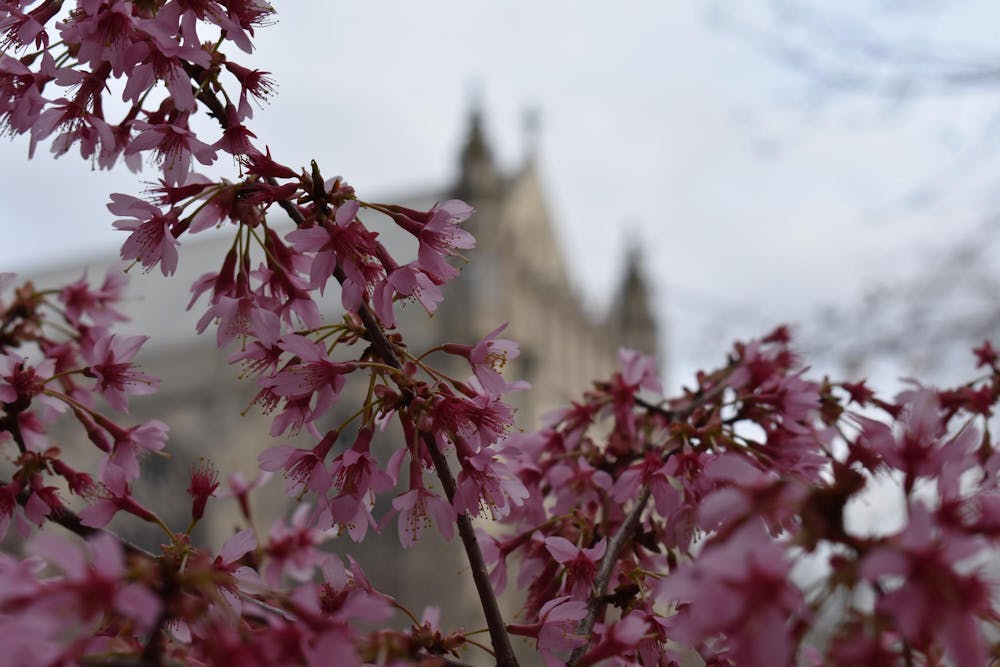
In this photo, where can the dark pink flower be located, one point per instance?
(254, 84)
(204, 482)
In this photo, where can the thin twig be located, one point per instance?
(600, 588)
(480, 575)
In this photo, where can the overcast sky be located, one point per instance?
(755, 199)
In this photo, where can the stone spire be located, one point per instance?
(478, 176)
(631, 313)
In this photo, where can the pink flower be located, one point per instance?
(104, 33)
(555, 629)
(311, 373)
(580, 564)
(931, 598)
(486, 486)
(292, 548)
(620, 639)
(174, 145)
(639, 371)
(487, 358)
(493, 554)
(438, 233)
(152, 240)
(95, 579)
(149, 436)
(240, 314)
(230, 576)
(482, 420)
(415, 508)
(204, 482)
(111, 364)
(344, 242)
(115, 496)
(240, 488)
(738, 588)
(77, 124)
(923, 449)
(358, 478)
(405, 281)
(305, 469)
(23, 28)
(79, 300)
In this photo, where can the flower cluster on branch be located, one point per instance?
(645, 530)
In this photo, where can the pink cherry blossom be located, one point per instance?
(580, 564)
(115, 496)
(152, 240)
(438, 233)
(416, 507)
(175, 145)
(738, 588)
(80, 299)
(926, 595)
(305, 469)
(111, 364)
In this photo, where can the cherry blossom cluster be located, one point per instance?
(274, 601)
(722, 524)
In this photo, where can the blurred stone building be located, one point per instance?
(516, 274)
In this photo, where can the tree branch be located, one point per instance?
(69, 520)
(596, 602)
(480, 575)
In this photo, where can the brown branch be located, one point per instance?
(71, 521)
(596, 602)
(480, 575)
